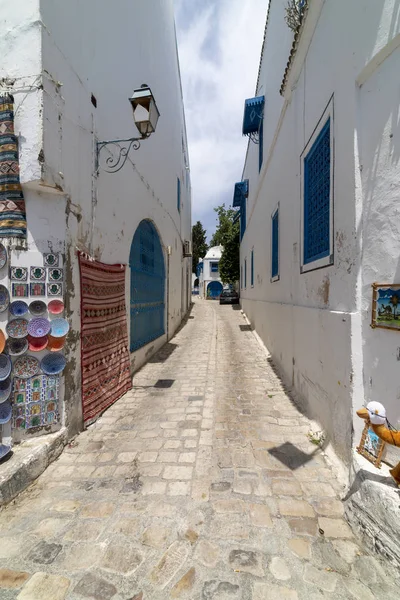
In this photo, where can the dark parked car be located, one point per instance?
(229, 297)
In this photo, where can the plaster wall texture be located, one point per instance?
(316, 324)
(76, 50)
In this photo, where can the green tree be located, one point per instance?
(199, 244)
(227, 235)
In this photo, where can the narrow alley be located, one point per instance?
(199, 483)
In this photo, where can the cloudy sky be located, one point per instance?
(219, 50)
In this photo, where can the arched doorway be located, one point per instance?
(214, 289)
(146, 262)
(196, 282)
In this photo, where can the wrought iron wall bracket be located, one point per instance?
(118, 157)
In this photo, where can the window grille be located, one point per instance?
(317, 181)
(214, 267)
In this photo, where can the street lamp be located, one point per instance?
(145, 115)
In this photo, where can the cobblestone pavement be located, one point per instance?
(200, 483)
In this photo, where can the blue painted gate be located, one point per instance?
(146, 262)
(214, 289)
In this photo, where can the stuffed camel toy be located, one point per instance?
(375, 415)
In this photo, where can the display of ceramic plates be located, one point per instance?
(26, 366)
(37, 308)
(5, 412)
(5, 366)
(39, 327)
(55, 344)
(5, 389)
(56, 307)
(16, 347)
(3, 256)
(18, 308)
(52, 364)
(4, 298)
(18, 328)
(2, 340)
(4, 450)
(59, 327)
(36, 344)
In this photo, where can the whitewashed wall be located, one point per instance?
(83, 49)
(311, 322)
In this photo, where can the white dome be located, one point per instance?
(215, 252)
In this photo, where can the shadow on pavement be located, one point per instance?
(291, 456)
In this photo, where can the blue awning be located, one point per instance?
(241, 191)
(253, 114)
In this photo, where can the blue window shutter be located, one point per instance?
(245, 273)
(275, 244)
(178, 195)
(214, 267)
(252, 268)
(253, 114)
(261, 146)
(317, 182)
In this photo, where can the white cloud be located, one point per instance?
(219, 50)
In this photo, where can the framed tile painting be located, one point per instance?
(371, 446)
(386, 306)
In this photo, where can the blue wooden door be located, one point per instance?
(146, 262)
(214, 289)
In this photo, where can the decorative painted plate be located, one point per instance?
(18, 328)
(59, 327)
(26, 366)
(37, 308)
(18, 308)
(55, 344)
(5, 389)
(2, 340)
(3, 256)
(53, 364)
(39, 327)
(16, 347)
(36, 344)
(5, 366)
(4, 450)
(4, 298)
(56, 307)
(5, 412)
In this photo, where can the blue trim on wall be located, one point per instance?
(252, 268)
(178, 194)
(275, 245)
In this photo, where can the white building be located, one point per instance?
(210, 285)
(71, 68)
(321, 217)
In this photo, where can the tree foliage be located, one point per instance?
(199, 244)
(227, 235)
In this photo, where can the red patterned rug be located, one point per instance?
(104, 337)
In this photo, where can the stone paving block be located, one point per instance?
(318, 490)
(12, 579)
(187, 457)
(172, 444)
(230, 506)
(323, 579)
(126, 457)
(44, 553)
(179, 473)
(260, 515)
(279, 568)
(178, 488)
(267, 591)
(295, 508)
(121, 558)
(184, 584)
(328, 507)
(97, 510)
(147, 457)
(84, 530)
(167, 457)
(241, 486)
(358, 590)
(286, 487)
(172, 560)
(153, 487)
(68, 506)
(82, 556)
(43, 585)
(95, 587)
(246, 561)
(207, 553)
(335, 528)
(226, 527)
(300, 547)
(127, 526)
(50, 527)
(190, 443)
(155, 536)
(303, 526)
(189, 433)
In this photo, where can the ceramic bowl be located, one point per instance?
(2, 340)
(39, 327)
(5, 366)
(26, 366)
(36, 344)
(16, 347)
(3, 256)
(5, 412)
(4, 298)
(55, 344)
(4, 450)
(37, 308)
(53, 364)
(56, 307)
(59, 327)
(18, 308)
(17, 328)
(5, 389)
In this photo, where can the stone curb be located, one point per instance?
(29, 461)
